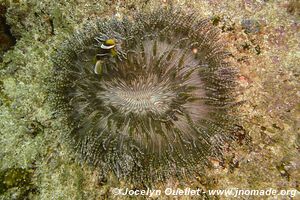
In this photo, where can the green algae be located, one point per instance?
(19, 179)
(30, 131)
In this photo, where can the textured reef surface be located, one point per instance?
(38, 160)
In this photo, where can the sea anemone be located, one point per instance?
(147, 97)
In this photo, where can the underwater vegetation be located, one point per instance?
(263, 40)
(17, 178)
(147, 97)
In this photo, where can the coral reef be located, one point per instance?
(263, 41)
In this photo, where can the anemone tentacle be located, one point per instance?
(161, 105)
